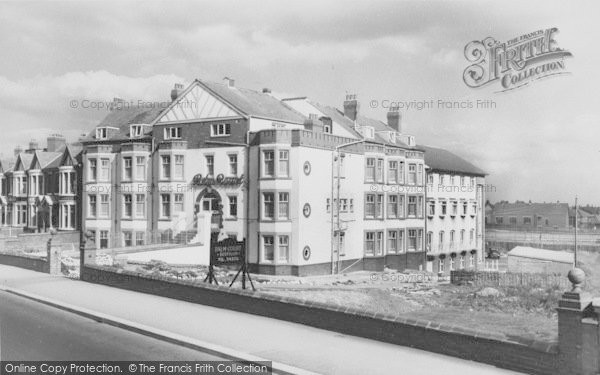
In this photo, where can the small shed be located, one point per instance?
(532, 260)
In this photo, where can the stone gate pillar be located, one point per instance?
(577, 330)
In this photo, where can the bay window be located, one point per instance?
(165, 205)
(284, 163)
(269, 163)
(165, 166)
(269, 206)
(392, 171)
(370, 170)
(269, 248)
(105, 169)
(178, 173)
(104, 205)
(412, 174)
(284, 206)
(127, 206)
(140, 205)
(140, 168)
(127, 169)
(284, 249)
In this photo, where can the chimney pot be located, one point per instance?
(266, 90)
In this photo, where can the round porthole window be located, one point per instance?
(307, 168)
(306, 210)
(306, 253)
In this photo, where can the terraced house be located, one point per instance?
(311, 188)
(39, 189)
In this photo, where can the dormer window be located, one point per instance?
(220, 130)
(101, 133)
(136, 131)
(173, 133)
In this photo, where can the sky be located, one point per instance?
(538, 143)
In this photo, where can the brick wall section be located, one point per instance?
(24, 261)
(37, 241)
(534, 357)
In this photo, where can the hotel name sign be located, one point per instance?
(220, 179)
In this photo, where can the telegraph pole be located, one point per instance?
(575, 255)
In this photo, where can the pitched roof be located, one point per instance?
(73, 150)
(25, 159)
(124, 116)
(6, 165)
(46, 158)
(254, 103)
(441, 160)
(542, 254)
(338, 117)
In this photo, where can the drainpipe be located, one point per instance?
(425, 217)
(335, 260)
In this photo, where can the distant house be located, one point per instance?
(586, 218)
(522, 215)
(531, 260)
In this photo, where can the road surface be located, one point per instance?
(35, 332)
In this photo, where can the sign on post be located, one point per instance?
(228, 252)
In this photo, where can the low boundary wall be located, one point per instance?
(533, 357)
(24, 261)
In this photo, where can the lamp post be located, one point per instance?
(335, 158)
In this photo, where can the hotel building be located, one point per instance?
(311, 188)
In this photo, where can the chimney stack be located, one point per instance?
(117, 103)
(177, 90)
(394, 118)
(18, 150)
(55, 142)
(266, 90)
(33, 145)
(351, 107)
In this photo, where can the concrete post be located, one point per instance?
(573, 335)
(53, 256)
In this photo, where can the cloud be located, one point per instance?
(37, 107)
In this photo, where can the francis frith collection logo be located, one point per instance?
(516, 62)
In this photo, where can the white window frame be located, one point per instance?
(220, 130)
(172, 132)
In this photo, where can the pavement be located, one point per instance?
(294, 348)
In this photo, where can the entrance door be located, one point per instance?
(209, 201)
